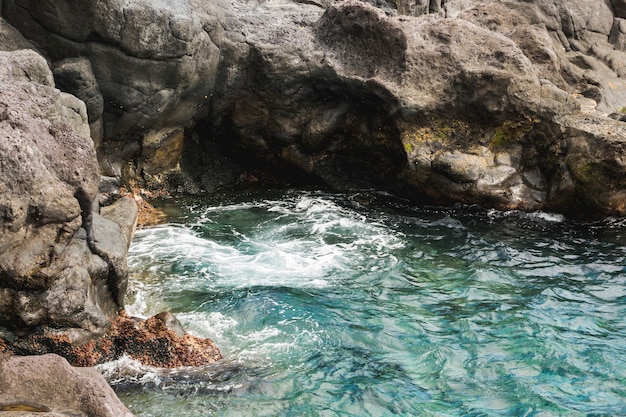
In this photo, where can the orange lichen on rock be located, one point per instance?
(158, 341)
(152, 343)
(148, 214)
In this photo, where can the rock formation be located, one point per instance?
(63, 272)
(512, 104)
(61, 263)
(48, 386)
(488, 105)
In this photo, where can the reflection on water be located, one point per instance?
(356, 305)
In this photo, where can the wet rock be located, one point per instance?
(158, 341)
(172, 323)
(48, 386)
(596, 161)
(196, 94)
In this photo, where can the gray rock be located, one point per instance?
(351, 96)
(62, 266)
(172, 323)
(48, 386)
(11, 39)
(619, 7)
(153, 62)
(123, 212)
(75, 76)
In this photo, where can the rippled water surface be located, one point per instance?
(356, 305)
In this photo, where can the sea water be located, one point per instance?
(362, 305)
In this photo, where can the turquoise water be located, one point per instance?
(359, 305)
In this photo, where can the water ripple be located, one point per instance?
(358, 305)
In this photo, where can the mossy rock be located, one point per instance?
(510, 132)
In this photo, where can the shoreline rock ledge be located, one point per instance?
(63, 270)
(513, 104)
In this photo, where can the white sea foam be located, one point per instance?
(316, 239)
(548, 217)
(213, 325)
(126, 369)
(535, 215)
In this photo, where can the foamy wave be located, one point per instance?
(548, 217)
(128, 370)
(536, 215)
(302, 243)
(222, 377)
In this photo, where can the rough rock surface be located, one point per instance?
(50, 276)
(63, 272)
(396, 98)
(48, 386)
(440, 101)
(158, 341)
(11, 39)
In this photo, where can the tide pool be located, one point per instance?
(361, 305)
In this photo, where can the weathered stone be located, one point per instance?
(11, 39)
(153, 62)
(596, 161)
(161, 151)
(618, 34)
(159, 341)
(75, 76)
(62, 266)
(122, 212)
(336, 103)
(619, 7)
(48, 386)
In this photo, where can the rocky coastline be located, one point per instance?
(505, 104)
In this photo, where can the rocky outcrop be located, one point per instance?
(48, 386)
(152, 67)
(60, 265)
(439, 101)
(159, 341)
(474, 107)
(63, 272)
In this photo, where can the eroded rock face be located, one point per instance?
(47, 385)
(49, 177)
(441, 101)
(152, 61)
(63, 272)
(62, 265)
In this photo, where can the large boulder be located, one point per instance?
(63, 271)
(48, 386)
